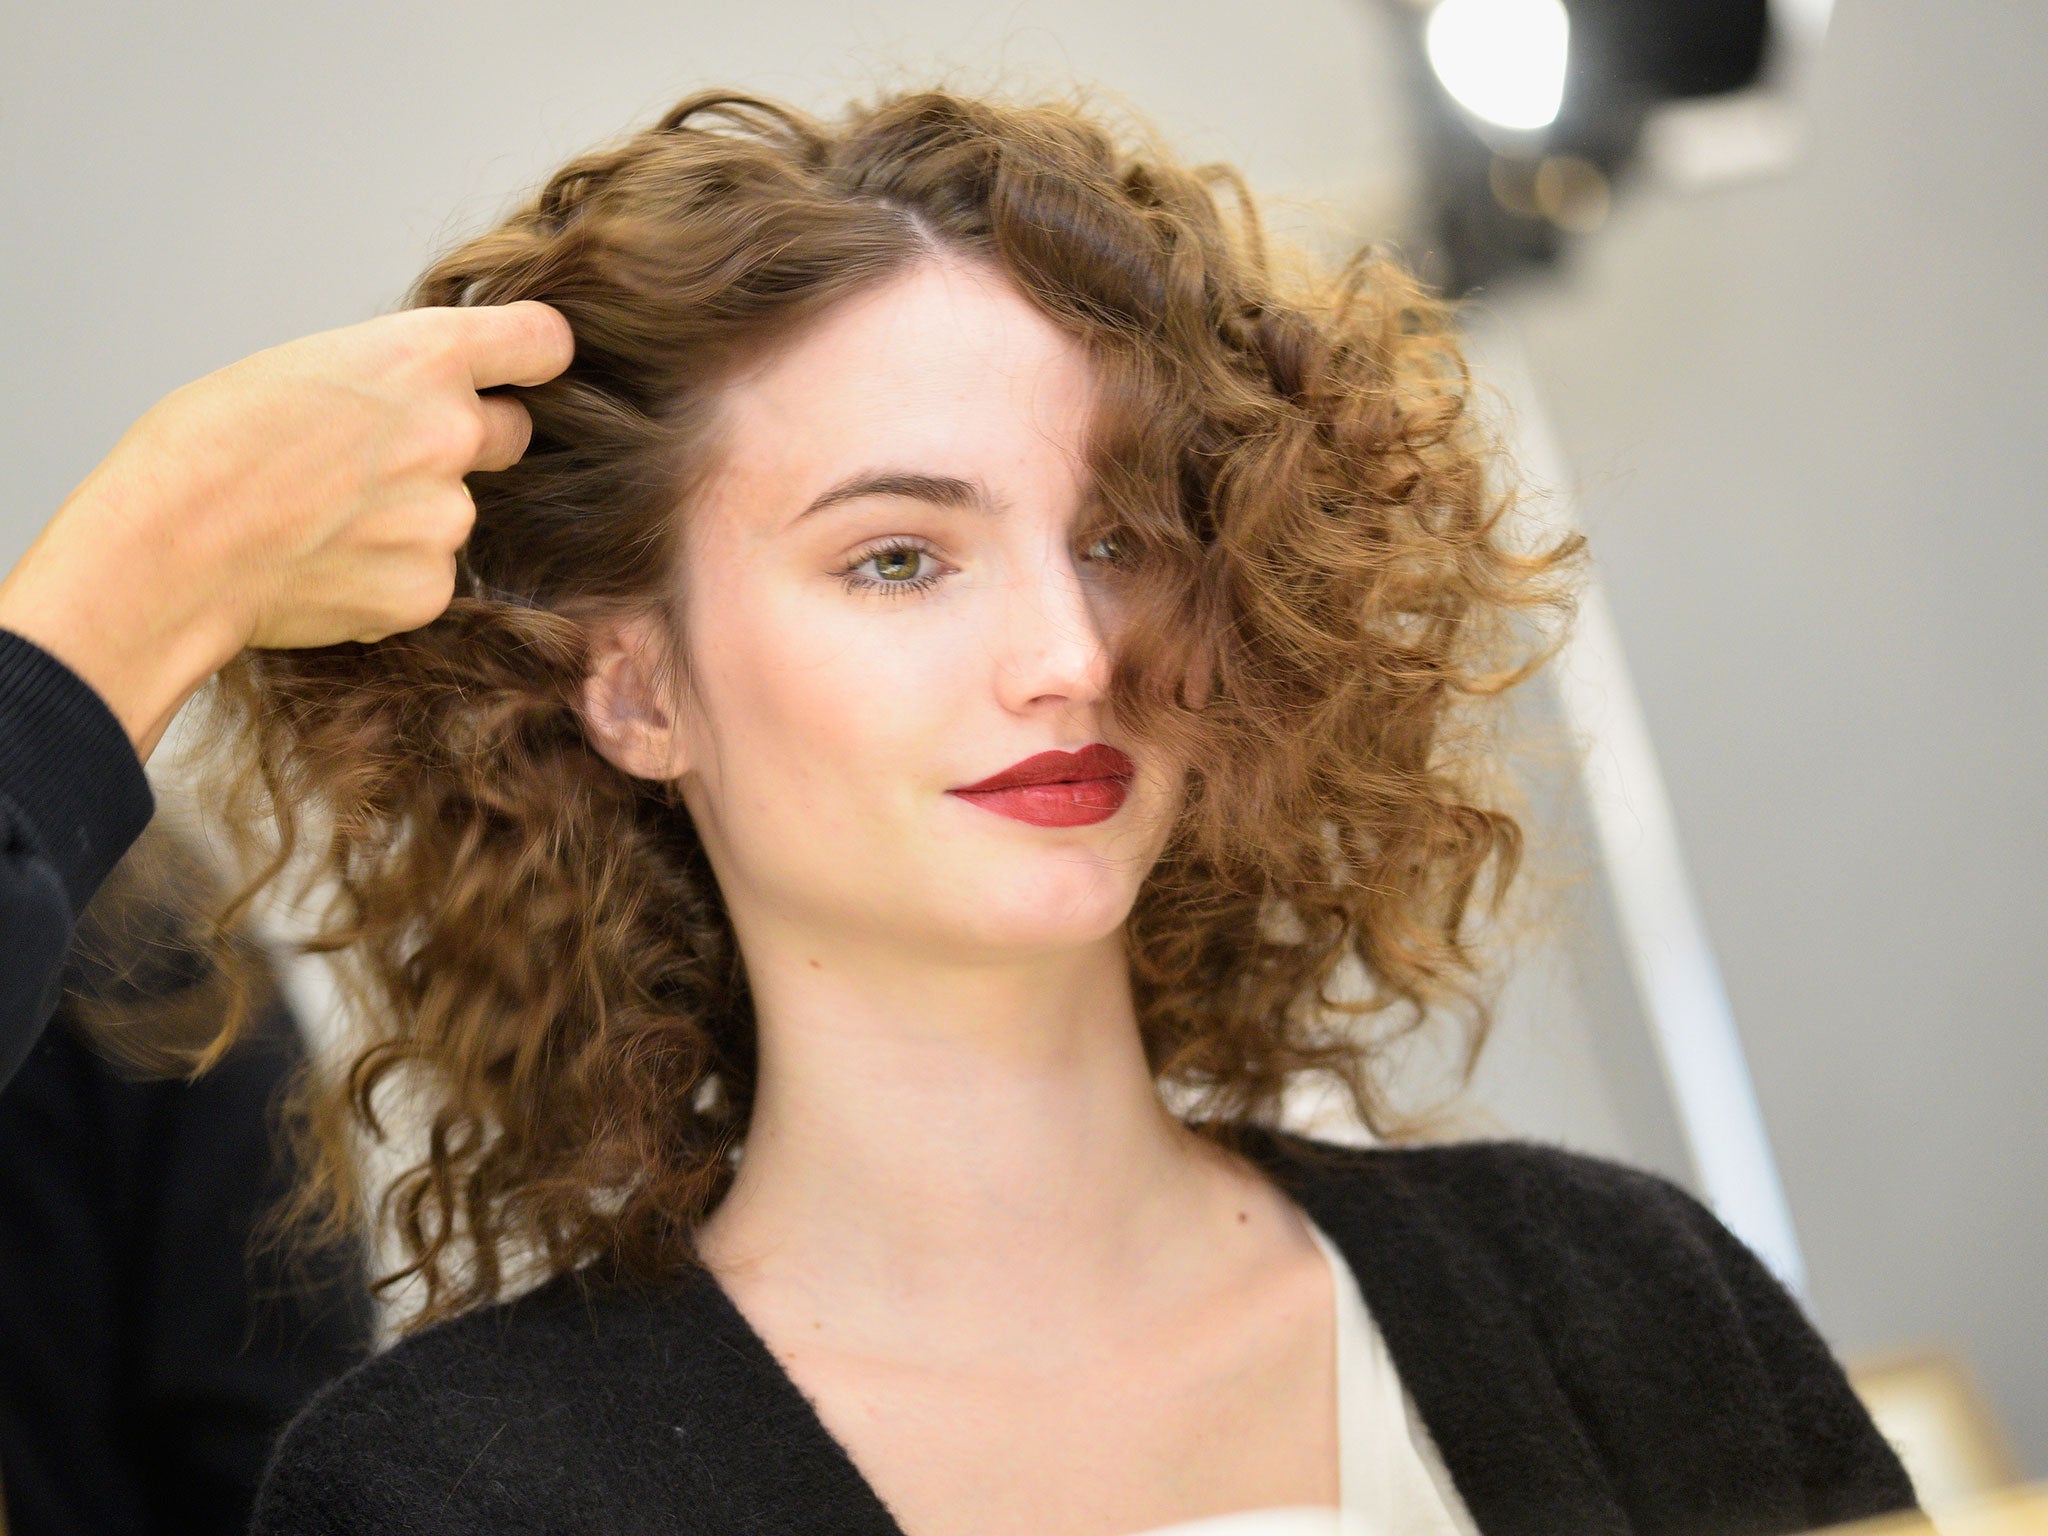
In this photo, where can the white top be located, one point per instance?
(1390, 1480)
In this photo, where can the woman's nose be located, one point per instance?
(1050, 638)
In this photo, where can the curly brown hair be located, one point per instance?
(1315, 519)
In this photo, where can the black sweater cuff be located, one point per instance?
(68, 767)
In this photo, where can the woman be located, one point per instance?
(973, 650)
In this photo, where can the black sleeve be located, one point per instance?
(1847, 1469)
(73, 796)
(235, 1340)
(1708, 1399)
(148, 1359)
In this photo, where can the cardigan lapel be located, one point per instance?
(1463, 1351)
(1462, 1348)
(772, 1465)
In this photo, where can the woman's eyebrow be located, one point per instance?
(941, 490)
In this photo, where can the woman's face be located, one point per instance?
(856, 655)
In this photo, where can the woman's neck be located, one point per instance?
(965, 1167)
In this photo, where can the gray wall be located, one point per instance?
(188, 182)
(1799, 411)
(1806, 420)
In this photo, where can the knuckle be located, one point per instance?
(429, 346)
(433, 591)
(414, 337)
(456, 515)
(418, 598)
(458, 434)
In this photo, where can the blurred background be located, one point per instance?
(1760, 292)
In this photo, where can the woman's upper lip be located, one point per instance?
(1094, 761)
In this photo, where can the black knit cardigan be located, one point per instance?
(1592, 1351)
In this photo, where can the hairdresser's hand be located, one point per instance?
(309, 494)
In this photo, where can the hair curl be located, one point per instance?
(1316, 521)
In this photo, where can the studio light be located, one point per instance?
(1502, 60)
(1532, 111)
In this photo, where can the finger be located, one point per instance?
(527, 342)
(507, 430)
(411, 593)
(452, 518)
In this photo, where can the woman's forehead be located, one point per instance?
(946, 370)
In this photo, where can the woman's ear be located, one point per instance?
(630, 706)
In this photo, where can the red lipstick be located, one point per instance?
(1057, 789)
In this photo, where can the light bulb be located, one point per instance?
(1502, 60)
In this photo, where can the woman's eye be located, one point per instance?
(903, 567)
(896, 568)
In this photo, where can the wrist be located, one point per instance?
(133, 625)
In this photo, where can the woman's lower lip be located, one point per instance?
(1071, 803)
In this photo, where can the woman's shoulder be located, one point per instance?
(1541, 1192)
(1557, 1232)
(1519, 1281)
(1492, 1189)
(498, 1402)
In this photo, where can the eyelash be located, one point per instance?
(857, 583)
